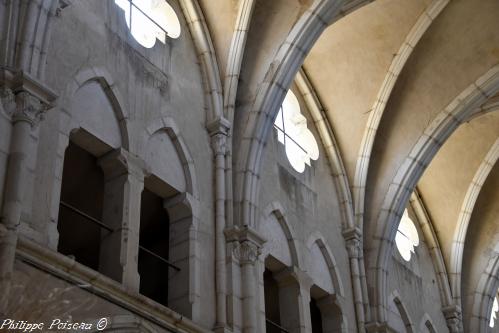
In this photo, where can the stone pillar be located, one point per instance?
(124, 183)
(219, 131)
(28, 111)
(353, 243)
(247, 255)
(294, 300)
(183, 290)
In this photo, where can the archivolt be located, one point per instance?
(270, 96)
(168, 124)
(206, 53)
(329, 143)
(458, 111)
(484, 295)
(396, 67)
(464, 217)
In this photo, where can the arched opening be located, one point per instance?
(81, 207)
(315, 316)
(154, 247)
(325, 314)
(272, 304)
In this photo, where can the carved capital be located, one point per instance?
(219, 143)
(246, 252)
(8, 100)
(353, 239)
(28, 108)
(453, 318)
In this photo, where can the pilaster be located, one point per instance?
(124, 183)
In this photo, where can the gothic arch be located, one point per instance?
(207, 57)
(271, 93)
(329, 143)
(277, 210)
(464, 106)
(318, 239)
(484, 296)
(168, 125)
(101, 76)
(465, 215)
(398, 63)
(402, 309)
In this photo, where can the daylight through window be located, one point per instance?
(292, 132)
(493, 315)
(407, 237)
(149, 20)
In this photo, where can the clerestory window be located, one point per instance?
(407, 237)
(149, 20)
(493, 315)
(292, 132)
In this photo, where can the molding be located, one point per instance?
(69, 270)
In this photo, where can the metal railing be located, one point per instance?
(108, 228)
(276, 325)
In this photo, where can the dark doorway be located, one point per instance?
(316, 317)
(80, 209)
(154, 248)
(272, 310)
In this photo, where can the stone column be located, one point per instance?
(218, 131)
(247, 253)
(294, 300)
(353, 243)
(27, 113)
(124, 183)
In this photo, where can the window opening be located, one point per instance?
(493, 315)
(315, 316)
(407, 237)
(299, 142)
(149, 20)
(272, 306)
(154, 248)
(82, 195)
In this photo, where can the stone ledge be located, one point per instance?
(68, 269)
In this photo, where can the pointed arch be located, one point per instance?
(484, 295)
(465, 215)
(319, 240)
(168, 125)
(271, 92)
(207, 56)
(376, 113)
(464, 106)
(326, 134)
(276, 209)
(402, 310)
(101, 76)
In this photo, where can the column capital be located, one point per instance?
(218, 126)
(453, 318)
(219, 143)
(28, 108)
(247, 243)
(32, 98)
(247, 252)
(353, 240)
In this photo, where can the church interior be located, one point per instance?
(249, 166)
